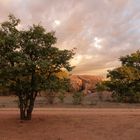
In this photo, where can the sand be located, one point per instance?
(71, 124)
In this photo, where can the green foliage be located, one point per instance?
(4, 91)
(125, 80)
(77, 97)
(61, 96)
(29, 60)
(101, 86)
(54, 85)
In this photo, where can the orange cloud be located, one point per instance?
(115, 22)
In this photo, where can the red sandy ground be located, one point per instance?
(71, 124)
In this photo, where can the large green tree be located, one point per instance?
(125, 80)
(28, 61)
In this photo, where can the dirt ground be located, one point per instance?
(41, 102)
(71, 124)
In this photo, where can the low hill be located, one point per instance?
(84, 83)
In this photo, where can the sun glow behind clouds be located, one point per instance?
(88, 25)
(56, 23)
(77, 59)
(97, 42)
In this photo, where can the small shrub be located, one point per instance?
(131, 97)
(50, 97)
(100, 96)
(61, 97)
(93, 102)
(77, 98)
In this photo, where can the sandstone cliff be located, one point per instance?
(85, 83)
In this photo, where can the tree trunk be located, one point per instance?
(26, 113)
(29, 115)
(26, 107)
(30, 109)
(27, 99)
(22, 114)
(21, 106)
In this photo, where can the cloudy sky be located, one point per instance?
(100, 30)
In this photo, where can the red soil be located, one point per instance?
(71, 124)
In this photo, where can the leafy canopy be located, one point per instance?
(29, 52)
(29, 61)
(125, 80)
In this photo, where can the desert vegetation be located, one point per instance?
(69, 69)
(124, 81)
(29, 63)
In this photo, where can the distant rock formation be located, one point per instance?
(85, 83)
